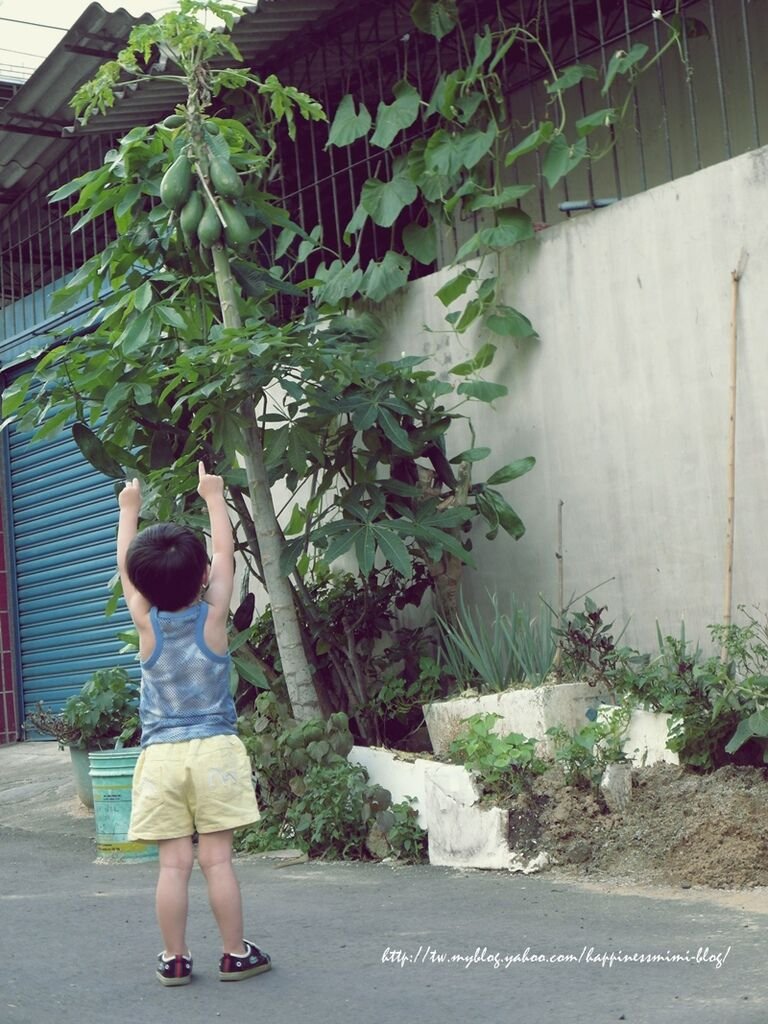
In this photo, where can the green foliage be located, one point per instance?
(495, 651)
(329, 819)
(455, 169)
(588, 648)
(584, 755)
(717, 704)
(309, 794)
(503, 765)
(397, 699)
(380, 674)
(406, 837)
(102, 715)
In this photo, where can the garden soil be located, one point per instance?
(678, 829)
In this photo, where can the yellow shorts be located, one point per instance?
(202, 785)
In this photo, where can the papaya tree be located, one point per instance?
(183, 350)
(174, 191)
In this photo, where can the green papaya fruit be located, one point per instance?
(174, 121)
(211, 127)
(237, 232)
(190, 215)
(224, 178)
(176, 184)
(209, 228)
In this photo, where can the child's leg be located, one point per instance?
(214, 854)
(172, 898)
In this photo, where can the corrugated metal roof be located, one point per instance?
(38, 124)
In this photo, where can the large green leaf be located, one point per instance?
(365, 548)
(171, 316)
(385, 200)
(348, 124)
(443, 154)
(513, 226)
(435, 17)
(497, 512)
(385, 277)
(393, 549)
(446, 153)
(474, 144)
(421, 242)
(297, 522)
(341, 282)
(483, 50)
(482, 358)
(483, 390)
(597, 119)
(510, 323)
(571, 76)
(622, 62)
(289, 556)
(756, 725)
(137, 333)
(562, 158)
(531, 142)
(394, 431)
(95, 452)
(444, 95)
(15, 393)
(456, 287)
(472, 455)
(396, 117)
(506, 197)
(512, 471)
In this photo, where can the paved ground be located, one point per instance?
(367, 943)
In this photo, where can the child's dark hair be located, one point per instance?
(166, 563)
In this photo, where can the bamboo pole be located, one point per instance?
(560, 582)
(736, 276)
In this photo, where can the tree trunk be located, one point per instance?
(296, 669)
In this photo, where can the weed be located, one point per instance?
(503, 765)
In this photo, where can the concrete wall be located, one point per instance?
(624, 400)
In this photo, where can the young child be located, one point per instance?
(193, 773)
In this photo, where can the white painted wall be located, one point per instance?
(624, 400)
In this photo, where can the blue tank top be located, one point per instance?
(184, 684)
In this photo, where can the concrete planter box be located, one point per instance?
(528, 711)
(645, 739)
(460, 833)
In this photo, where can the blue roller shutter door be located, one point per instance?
(64, 517)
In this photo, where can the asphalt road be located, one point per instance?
(372, 943)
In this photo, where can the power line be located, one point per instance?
(20, 53)
(35, 24)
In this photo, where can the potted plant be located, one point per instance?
(104, 714)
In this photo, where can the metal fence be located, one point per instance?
(38, 249)
(691, 110)
(697, 106)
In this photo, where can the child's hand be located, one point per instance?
(210, 486)
(130, 496)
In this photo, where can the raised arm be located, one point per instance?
(129, 500)
(221, 578)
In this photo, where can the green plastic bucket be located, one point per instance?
(111, 773)
(81, 773)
